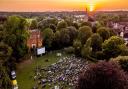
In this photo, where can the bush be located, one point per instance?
(100, 55)
(123, 62)
(86, 50)
(124, 52)
(77, 46)
(69, 50)
(113, 47)
(103, 75)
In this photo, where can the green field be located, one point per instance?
(25, 70)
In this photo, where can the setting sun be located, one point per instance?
(91, 7)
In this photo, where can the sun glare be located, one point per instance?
(91, 7)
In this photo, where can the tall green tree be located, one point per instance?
(5, 54)
(77, 46)
(5, 82)
(65, 37)
(56, 41)
(96, 26)
(86, 50)
(84, 33)
(72, 33)
(48, 35)
(62, 24)
(16, 35)
(96, 42)
(34, 24)
(104, 33)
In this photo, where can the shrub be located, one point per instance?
(123, 62)
(124, 52)
(113, 47)
(103, 75)
(69, 50)
(77, 46)
(100, 55)
(86, 50)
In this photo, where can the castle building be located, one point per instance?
(35, 39)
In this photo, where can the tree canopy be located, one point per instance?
(103, 75)
(113, 46)
(104, 33)
(84, 33)
(16, 35)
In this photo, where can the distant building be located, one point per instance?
(81, 18)
(126, 37)
(120, 28)
(35, 39)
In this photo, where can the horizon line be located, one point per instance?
(66, 10)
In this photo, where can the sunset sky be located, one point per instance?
(61, 5)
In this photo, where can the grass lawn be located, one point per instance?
(25, 69)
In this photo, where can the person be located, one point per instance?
(31, 57)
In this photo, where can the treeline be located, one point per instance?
(91, 40)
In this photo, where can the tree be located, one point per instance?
(72, 33)
(96, 42)
(115, 18)
(47, 22)
(68, 20)
(104, 33)
(103, 19)
(65, 37)
(52, 20)
(16, 35)
(5, 54)
(112, 32)
(77, 46)
(62, 24)
(84, 33)
(113, 46)
(34, 24)
(5, 82)
(53, 27)
(48, 35)
(103, 75)
(56, 40)
(86, 24)
(96, 26)
(76, 25)
(86, 50)
(1, 32)
(43, 24)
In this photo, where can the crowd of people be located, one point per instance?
(61, 75)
